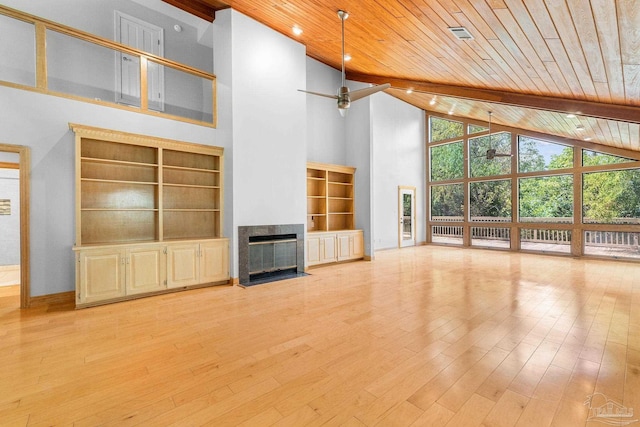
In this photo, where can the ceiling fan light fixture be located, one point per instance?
(344, 96)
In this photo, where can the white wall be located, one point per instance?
(399, 158)
(10, 224)
(222, 60)
(326, 129)
(269, 122)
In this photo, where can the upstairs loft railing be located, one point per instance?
(46, 57)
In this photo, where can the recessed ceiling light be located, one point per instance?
(580, 127)
(432, 102)
(588, 138)
(297, 30)
(571, 116)
(451, 112)
(409, 91)
(347, 57)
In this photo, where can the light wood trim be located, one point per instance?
(625, 113)
(41, 56)
(214, 90)
(61, 298)
(9, 165)
(331, 168)
(25, 206)
(144, 88)
(576, 234)
(160, 232)
(78, 182)
(84, 131)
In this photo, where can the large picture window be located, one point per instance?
(447, 202)
(531, 192)
(447, 161)
(537, 204)
(490, 201)
(611, 197)
(441, 129)
(490, 156)
(537, 155)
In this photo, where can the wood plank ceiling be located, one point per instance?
(530, 61)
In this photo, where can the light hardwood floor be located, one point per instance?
(421, 336)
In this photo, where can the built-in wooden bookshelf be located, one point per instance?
(331, 234)
(330, 197)
(191, 195)
(118, 189)
(132, 192)
(148, 215)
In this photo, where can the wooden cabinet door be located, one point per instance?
(344, 246)
(182, 265)
(146, 269)
(101, 275)
(328, 248)
(214, 261)
(313, 250)
(358, 245)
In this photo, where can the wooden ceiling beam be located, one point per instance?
(625, 113)
(205, 9)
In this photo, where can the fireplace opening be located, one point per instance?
(272, 255)
(269, 253)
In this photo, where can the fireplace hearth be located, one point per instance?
(270, 252)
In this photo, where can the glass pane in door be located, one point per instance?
(407, 216)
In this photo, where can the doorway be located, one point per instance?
(407, 216)
(146, 37)
(15, 163)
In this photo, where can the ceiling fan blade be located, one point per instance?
(319, 94)
(503, 155)
(361, 93)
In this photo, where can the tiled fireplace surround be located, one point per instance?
(247, 232)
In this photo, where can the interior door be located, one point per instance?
(407, 216)
(146, 37)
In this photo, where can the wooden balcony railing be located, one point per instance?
(75, 64)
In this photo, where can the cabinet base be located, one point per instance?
(151, 294)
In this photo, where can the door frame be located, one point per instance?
(25, 191)
(402, 188)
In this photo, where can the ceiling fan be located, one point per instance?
(491, 152)
(344, 96)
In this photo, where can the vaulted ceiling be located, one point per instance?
(531, 62)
